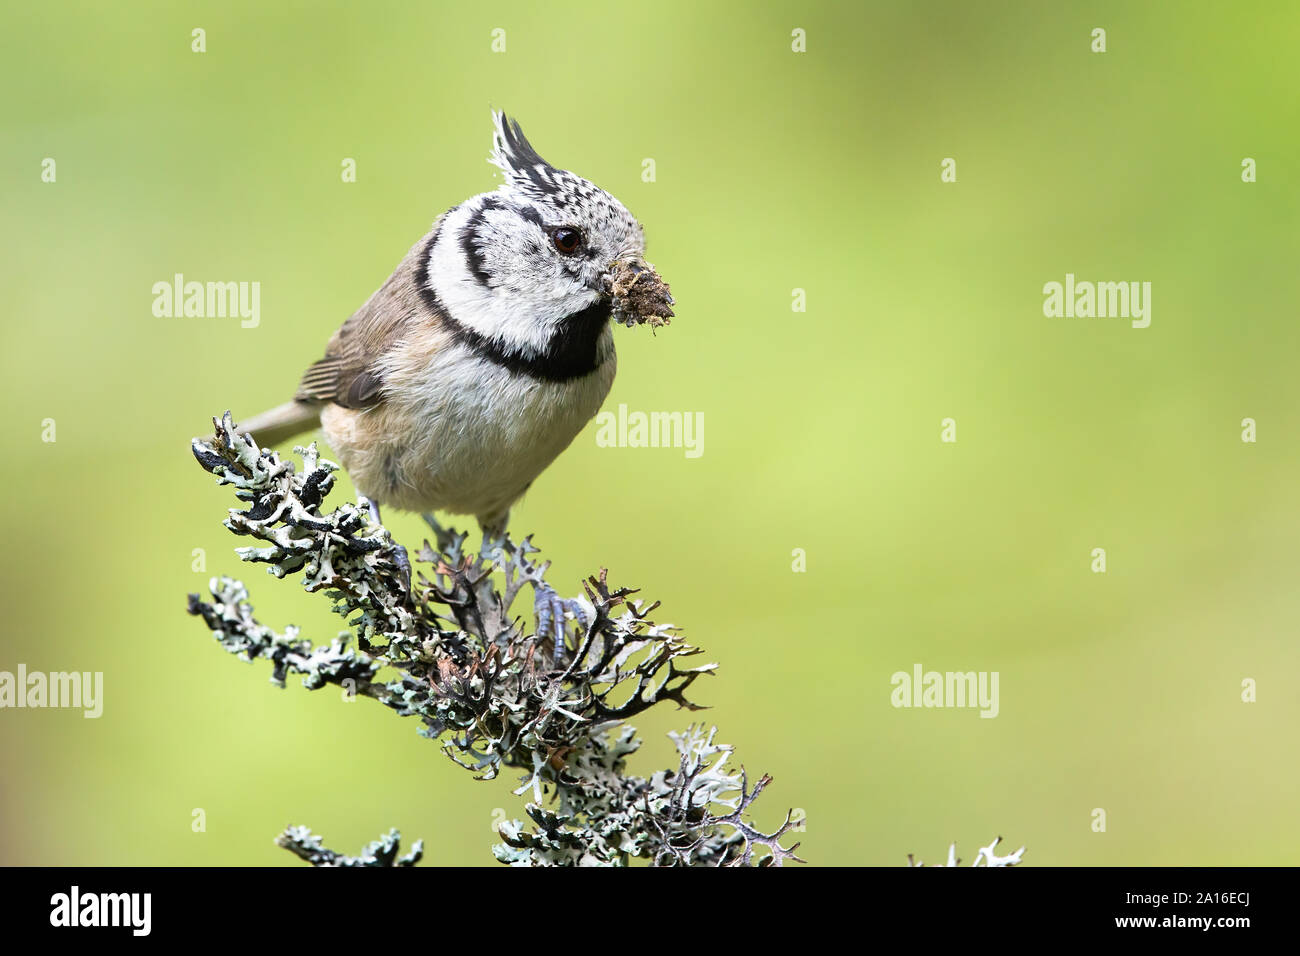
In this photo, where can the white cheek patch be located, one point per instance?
(530, 294)
(517, 255)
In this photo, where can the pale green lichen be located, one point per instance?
(986, 857)
(382, 852)
(550, 701)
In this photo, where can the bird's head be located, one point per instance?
(544, 254)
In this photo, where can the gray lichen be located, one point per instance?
(550, 701)
(986, 856)
(382, 852)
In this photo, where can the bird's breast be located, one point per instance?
(464, 434)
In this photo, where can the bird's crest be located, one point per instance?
(514, 155)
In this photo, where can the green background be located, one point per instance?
(775, 170)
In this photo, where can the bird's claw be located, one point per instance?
(551, 609)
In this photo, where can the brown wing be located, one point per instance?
(351, 373)
(347, 374)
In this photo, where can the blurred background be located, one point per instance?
(774, 171)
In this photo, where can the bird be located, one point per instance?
(487, 350)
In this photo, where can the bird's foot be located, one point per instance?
(551, 609)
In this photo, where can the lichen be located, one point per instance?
(549, 699)
(496, 691)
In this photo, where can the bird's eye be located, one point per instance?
(567, 241)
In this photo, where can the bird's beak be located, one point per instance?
(639, 294)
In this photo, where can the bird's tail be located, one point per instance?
(281, 423)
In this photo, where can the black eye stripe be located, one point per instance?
(530, 214)
(472, 236)
(468, 237)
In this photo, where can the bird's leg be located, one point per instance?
(548, 606)
(400, 557)
(550, 609)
